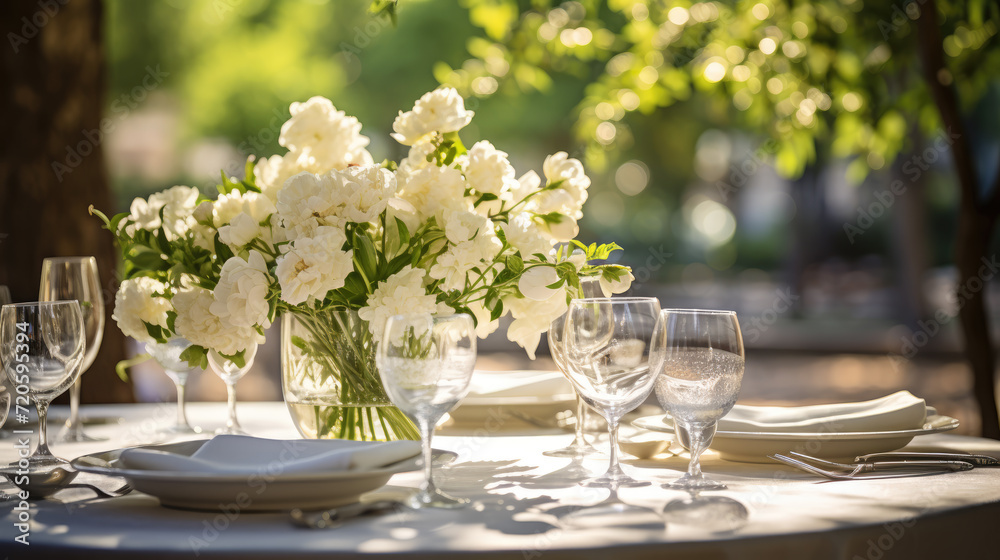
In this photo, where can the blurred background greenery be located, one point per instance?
(731, 144)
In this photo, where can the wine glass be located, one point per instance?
(609, 361)
(43, 346)
(426, 364)
(702, 356)
(168, 355)
(230, 372)
(68, 278)
(580, 447)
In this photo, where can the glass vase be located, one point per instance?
(330, 382)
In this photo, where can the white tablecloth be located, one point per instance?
(792, 515)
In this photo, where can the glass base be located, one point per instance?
(688, 482)
(179, 430)
(573, 450)
(67, 435)
(435, 499)
(231, 431)
(711, 513)
(614, 514)
(41, 462)
(608, 480)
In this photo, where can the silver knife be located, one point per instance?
(976, 460)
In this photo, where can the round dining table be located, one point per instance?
(520, 500)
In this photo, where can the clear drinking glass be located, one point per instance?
(168, 355)
(702, 356)
(43, 346)
(557, 343)
(426, 363)
(230, 373)
(69, 278)
(608, 360)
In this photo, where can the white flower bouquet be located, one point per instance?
(322, 230)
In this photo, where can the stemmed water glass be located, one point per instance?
(69, 278)
(426, 363)
(557, 343)
(702, 356)
(609, 362)
(168, 355)
(43, 345)
(230, 372)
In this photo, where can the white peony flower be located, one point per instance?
(238, 215)
(178, 204)
(569, 197)
(532, 318)
(461, 225)
(562, 231)
(484, 327)
(455, 264)
(135, 304)
(308, 202)
(318, 134)
(142, 215)
(401, 293)
(370, 187)
(406, 212)
(271, 173)
(534, 281)
(313, 266)
(488, 170)
(441, 110)
(416, 159)
(435, 190)
(619, 286)
(523, 233)
(196, 322)
(241, 294)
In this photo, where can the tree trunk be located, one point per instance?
(51, 159)
(977, 218)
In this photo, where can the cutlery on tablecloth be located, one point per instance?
(41, 485)
(862, 471)
(975, 460)
(331, 518)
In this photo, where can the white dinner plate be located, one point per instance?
(754, 447)
(493, 412)
(267, 491)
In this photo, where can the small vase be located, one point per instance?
(330, 382)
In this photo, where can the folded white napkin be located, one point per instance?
(518, 384)
(898, 411)
(231, 454)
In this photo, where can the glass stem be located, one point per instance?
(43, 439)
(698, 443)
(426, 433)
(73, 424)
(613, 436)
(581, 421)
(181, 400)
(232, 422)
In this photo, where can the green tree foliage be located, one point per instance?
(842, 74)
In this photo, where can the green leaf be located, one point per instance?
(364, 252)
(299, 342)
(515, 264)
(195, 356)
(239, 359)
(154, 331)
(404, 232)
(497, 311)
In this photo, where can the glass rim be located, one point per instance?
(40, 303)
(681, 311)
(69, 259)
(632, 299)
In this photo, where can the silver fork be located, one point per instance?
(858, 472)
